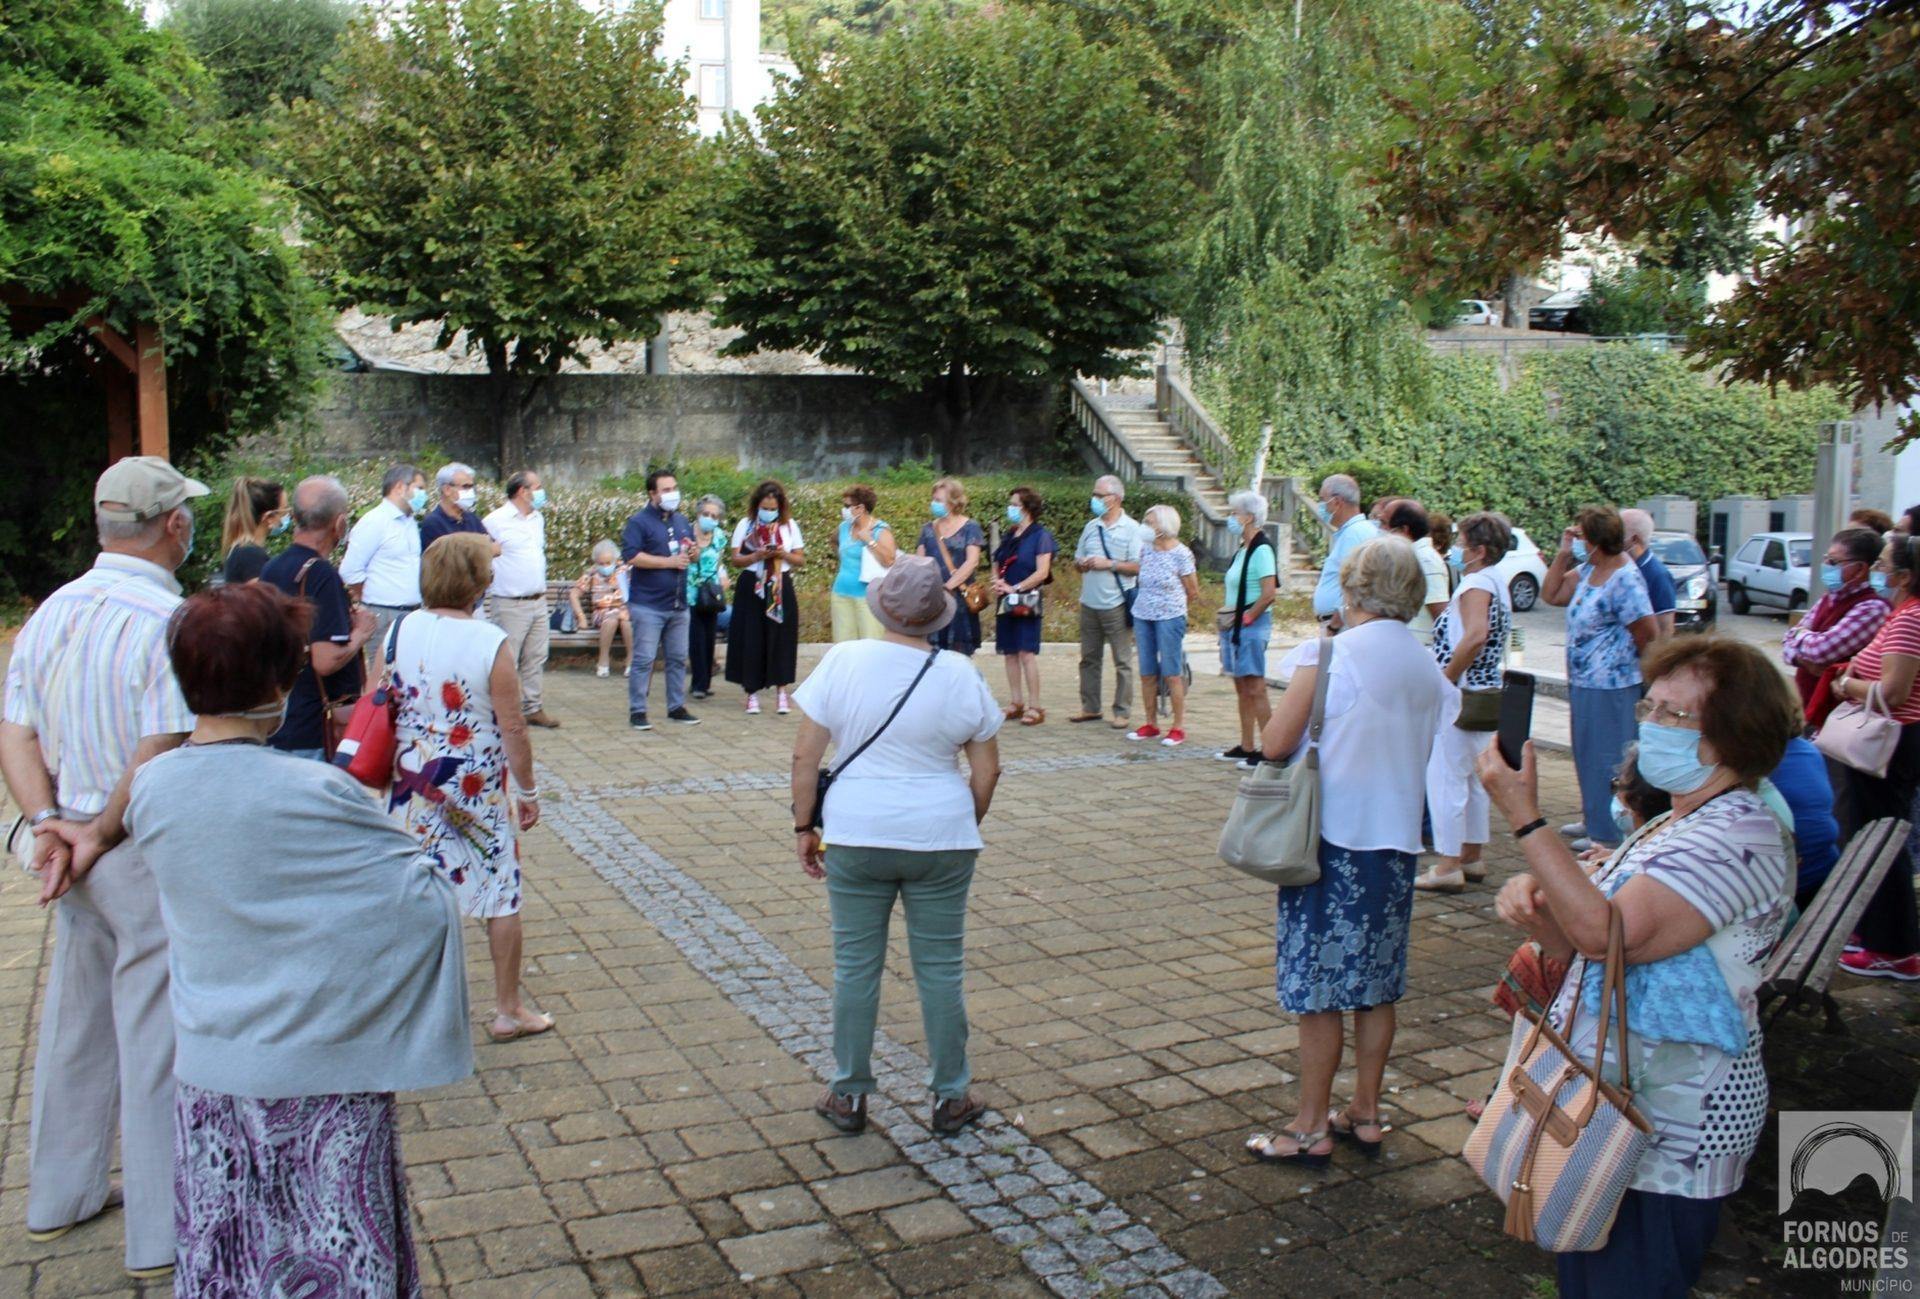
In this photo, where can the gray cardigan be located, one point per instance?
(313, 948)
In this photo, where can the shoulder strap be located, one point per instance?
(1317, 719)
(902, 703)
(940, 550)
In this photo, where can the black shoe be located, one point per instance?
(848, 1113)
(682, 716)
(1238, 753)
(639, 722)
(703, 694)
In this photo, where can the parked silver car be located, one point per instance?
(1771, 568)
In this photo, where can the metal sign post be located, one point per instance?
(1832, 485)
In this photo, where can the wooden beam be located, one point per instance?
(120, 431)
(117, 346)
(150, 387)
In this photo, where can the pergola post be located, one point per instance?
(150, 390)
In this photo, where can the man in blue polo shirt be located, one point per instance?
(657, 544)
(1339, 506)
(455, 511)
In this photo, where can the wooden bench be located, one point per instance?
(1802, 965)
(579, 638)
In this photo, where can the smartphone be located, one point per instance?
(1516, 715)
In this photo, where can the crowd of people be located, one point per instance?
(149, 737)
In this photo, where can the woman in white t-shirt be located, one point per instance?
(763, 638)
(902, 822)
(1343, 939)
(1470, 645)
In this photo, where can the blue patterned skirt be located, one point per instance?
(1343, 941)
(300, 1197)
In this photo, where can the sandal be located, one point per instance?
(1351, 1133)
(1033, 717)
(848, 1113)
(1012, 711)
(1435, 881)
(1260, 1145)
(951, 1116)
(116, 1198)
(519, 1030)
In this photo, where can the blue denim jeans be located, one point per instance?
(658, 633)
(862, 884)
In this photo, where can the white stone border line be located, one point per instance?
(1080, 1244)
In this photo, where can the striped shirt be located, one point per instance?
(1847, 636)
(118, 686)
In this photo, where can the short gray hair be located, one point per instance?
(395, 476)
(1638, 525)
(450, 472)
(1383, 577)
(317, 502)
(710, 499)
(1108, 485)
(1250, 503)
(605, 546)
(1157, 515)
(136, 532)
(1342, 486)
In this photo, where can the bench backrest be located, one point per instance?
(1806, 957)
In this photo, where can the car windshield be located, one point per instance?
(1802, 553)
(1521, 541)
(1677, 552)
(1565, 298)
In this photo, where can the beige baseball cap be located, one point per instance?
(137, 488)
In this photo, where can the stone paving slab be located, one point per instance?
(1123, 1026)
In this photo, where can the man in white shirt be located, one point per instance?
(1108, 557)
(1407, 518)
(517, 600)
(91, 696)
(382, 563)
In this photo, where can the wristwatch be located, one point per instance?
(803, 829)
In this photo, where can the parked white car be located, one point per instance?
(1771, 568)
(1523, 570)
(1477, 311)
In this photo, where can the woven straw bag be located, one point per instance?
(1558, 1143)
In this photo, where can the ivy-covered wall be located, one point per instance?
(1616, 423)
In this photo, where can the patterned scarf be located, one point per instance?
(766, 536)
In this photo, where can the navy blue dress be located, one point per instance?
(1017, 560)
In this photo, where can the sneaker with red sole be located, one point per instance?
(1174, 737)
(1872, 965)
(1147, 732)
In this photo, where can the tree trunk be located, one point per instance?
(956, 399)
(1513, 306)
(503, 414)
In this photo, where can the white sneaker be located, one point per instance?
(785, 704)
(601, 671)
(1574, 830)
(753, 705)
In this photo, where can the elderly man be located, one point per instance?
(382, 566)
(454, 513)
(1339, 509)
(335, 673)
(91, 695)
(1660, 585)
(517, 600)
(1108, 558)
(1406, 517)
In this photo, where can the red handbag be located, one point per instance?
(371, 742)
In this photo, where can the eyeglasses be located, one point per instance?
(1661, 714)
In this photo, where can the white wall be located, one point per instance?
(711, 36)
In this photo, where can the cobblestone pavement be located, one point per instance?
(1120, 984)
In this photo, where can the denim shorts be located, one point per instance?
(1161, 643)
(1249, 658)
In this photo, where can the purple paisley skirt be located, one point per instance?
(291, 1197)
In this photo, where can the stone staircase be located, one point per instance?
(1163, 454)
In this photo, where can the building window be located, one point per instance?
(713, 10)
(713, 85)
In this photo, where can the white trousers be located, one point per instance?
(106, 1051)
(1456, 800)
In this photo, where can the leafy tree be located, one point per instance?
(113, 191)
(1644, 300)
(830, 23)
(261, 52)
(525, 171)
(958, 203)
(1639, 116)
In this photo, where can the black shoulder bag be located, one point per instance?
(827, 777)
(1229, 620)
(1128, 594)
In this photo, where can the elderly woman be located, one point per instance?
(312, 977)
(1246, 622)
(1470, 645)
(1343, 938)
(1168, 580)
(460, 733)
(860, 534)
(704, 624)
(954, 542)
(1889, 934)
(599, 600)
(902, 822)
(1702, 894)
(1021, 566)
(1610, 620)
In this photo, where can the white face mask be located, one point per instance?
(275, 712)
(669, 501)
(466, 498)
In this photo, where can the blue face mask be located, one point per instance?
(1622, 819)
(1096, 506)
(1579, 550)
(938, 509)
(606, 570)
(708, 523)
(1878, 581)
(280, 529)
(1830, 576)
(539, 498)
(1234, 525)
(1013, 514)
(418, 501)
(769, 516)
(1324, 510)
(1670, 758)
(1457, 557)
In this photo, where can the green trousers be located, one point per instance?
(862, 884)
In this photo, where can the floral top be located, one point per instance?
(1601, 654)
(705, 565)
(1162, 594)
(601, 590)
(1727, 861)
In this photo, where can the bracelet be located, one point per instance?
(1527, 829)
(527, 795)
(43, 816)
(805, 829)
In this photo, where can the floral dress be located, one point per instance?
(450, 779)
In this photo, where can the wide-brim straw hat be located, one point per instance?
(910, 599)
